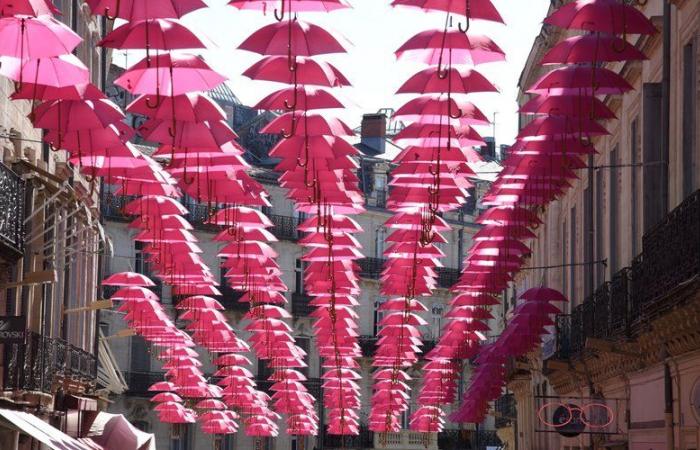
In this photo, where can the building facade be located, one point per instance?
(53, 362)
(624, 246)
(141, 370)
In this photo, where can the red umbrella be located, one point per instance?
(153, 34)
(310, 124)
(438, 46)
(579, 80)
(31, 91)
(56, 71)
(593, 48)
(606, 16)
(433, 108)
(9, 8)
(295, 37)
(76, 115)
(36, 37)
(135, 10)
(306, 71)
(568, 105)
(301, 98)
(455, 80)
(472, 9)
(189, 107)
(170, 74)
(127, 279)
(291, 6)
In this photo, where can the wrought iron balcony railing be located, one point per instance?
(447, 277)
(368, 344)
(285, 227)
(505, 410)
(365, 439)
(371, 268)
(468, 439)
(34, 363)
(670, 259)
(11, 210)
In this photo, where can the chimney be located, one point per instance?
(373, 134)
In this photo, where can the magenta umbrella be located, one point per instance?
(306, 71)
(134, 10)
(306, 39)
(170, 74)
(30, 37)
(456, 80)
(438, 46)
(56, 71)
(605, 16)
(153, 34)
(578, 80)
(9, 8)
(290, 6)
(74, 115)
(31, 91)
(302, 98)
(189, 107)
(593, 48)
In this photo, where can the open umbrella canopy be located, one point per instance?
(153, 34)
(36, 37)
(135, 10)
(298, 38)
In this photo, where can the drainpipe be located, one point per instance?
(668, 399)
(666, 102)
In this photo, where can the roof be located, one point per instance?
(224, 94)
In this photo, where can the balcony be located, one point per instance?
(139, 382)
(33, 362)
(285, 227)
(112, 206)
(468, 439)
(656, 281)
(405, 440)
(506, 413)
(365, 439)
(11, 210)
(447, 277)
(229, 299)
(300, 304)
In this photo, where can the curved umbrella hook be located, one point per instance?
(468, 23)
(279, 14)
(293, 129)
(116, 16)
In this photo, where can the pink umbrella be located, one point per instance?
(291, 6)
(56, 71)
(9, 8)
(189, 107)
(471, 9)
(36, 37)
(153, 34)
(578, 80)
(592, 48)
(127, 279)
(306, 71)
(605, 16)
(170, 74)
(438, 46)
(76, 115)
(296, 37)
(302, 98)
(455, 80)
(135, 10)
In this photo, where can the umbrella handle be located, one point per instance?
(293, 129)
(279, 14)
(459, 113)
(442, 73)
(585, 141)
(468, 15)
(157, 103)
(292, 106)
(118, 5)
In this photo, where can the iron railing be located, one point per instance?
(365, 439)
(468, 439)
(368, 344)
(447, 277)
(35, 362)
(285, 227)
(371, 268)
(505, 410)
(669, 262)
(11, 209)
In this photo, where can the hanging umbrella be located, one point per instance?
(169, 74)
(76, 115)
(291, 6)
(455, 80)
(189, 107)
(472, 9)
(135, 10)
(293, 38)
(604, 16)
(36, 37)
(579, 80)
(592, 48)
(56, 71)
(443, 46)
(306, 71)
(153, 34)
(9, 8)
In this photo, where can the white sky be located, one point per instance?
(377, 30)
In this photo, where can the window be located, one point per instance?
(613, 215)
(599, 227)
(304, 344)
(572, 256)
(588, 240)
(689, 117)
(378, 314)
(634, 185)
(436, 325)
(299, 276)
(654, 158)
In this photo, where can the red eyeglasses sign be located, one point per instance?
(570, 420)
